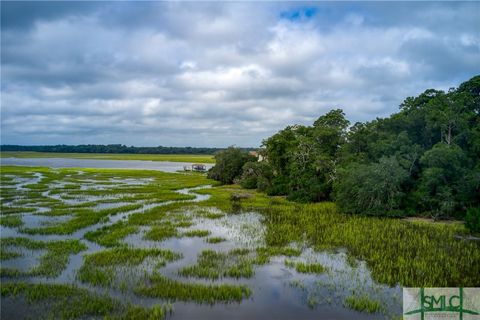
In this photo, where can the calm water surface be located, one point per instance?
(165, 166)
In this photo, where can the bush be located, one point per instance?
(472, 220)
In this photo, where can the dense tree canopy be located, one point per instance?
(422, 160)
(229, 164)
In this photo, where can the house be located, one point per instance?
(257, 155)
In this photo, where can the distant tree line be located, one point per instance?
(422, 160)
(113, 148)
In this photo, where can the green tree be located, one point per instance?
(443, 174)
(229, 164)
(373, 189)
(257, 175)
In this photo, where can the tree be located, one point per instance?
(373, 189)
(229, 164)
(448, 115)
(257, 175)
(443, 174)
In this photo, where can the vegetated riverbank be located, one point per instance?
(193, 158)
(124, 243)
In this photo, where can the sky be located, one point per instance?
(215, 74)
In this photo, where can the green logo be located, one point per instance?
(447, 302)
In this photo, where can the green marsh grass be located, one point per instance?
(99, 268)
(214, 240)
(71, 302)
(214, 265)
(110, 236)
(303, 267)
(161, 232)
(54, 261)
(363, 304)
(395, 251)
(196, 233)
(162, 287)
(11, 221)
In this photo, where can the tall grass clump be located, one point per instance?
(214, 265)
(363, 304)
(162, 287)
(100, 268)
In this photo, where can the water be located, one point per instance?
(165, 166)
(279, 292)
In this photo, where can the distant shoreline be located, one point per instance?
(193, 158)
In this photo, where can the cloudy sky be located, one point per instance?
(218, 74)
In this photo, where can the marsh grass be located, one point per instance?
(214, 240)
(157, 312)
(82, 218)
(64, 301)
(162, 287)
(7, 255)
(265, 253)
(196, 233)
(303, 267)
(71, 302)
(214, 265)
(394, 251)
(111, 236)
(161, 232)
(100, 268)
(11, 221)
(363, 303)
(52, 263)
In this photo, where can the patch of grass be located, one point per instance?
(363, 304)
(215, 239)
(264, 253)
(54, 261)
(382, 243)
(162, 287)
(82, 218)
(13, 210)
(214, 265)
(431, 257)
(161, 232)
(11, 221)
(6, 255)
(64, 301)
(196, 233)
(305, 267)
(209, 214)
(157, 312)
(10, 272)
(99, 268)
(110, 236)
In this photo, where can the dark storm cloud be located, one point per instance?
(149, 73)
